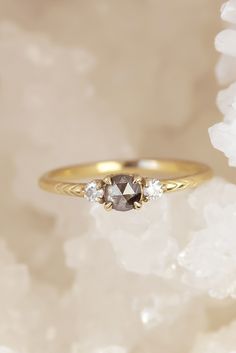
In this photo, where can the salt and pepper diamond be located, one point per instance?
(123, 192)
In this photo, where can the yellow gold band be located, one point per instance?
(173, 174)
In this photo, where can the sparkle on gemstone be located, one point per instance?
(153, 189)
(93, 191)
(123, 192)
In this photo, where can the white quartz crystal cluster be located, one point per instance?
(88, 80)
(223, 134)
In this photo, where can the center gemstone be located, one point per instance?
(123, 192)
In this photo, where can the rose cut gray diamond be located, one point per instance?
(123, 192)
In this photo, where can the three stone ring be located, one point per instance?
(125, 185)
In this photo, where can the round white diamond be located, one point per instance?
(93, 191)
(153, 189)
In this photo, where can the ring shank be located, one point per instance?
(174, 174)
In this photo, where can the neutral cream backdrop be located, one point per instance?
(154, 65)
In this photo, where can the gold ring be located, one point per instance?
(125, 185)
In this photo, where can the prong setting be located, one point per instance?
(138, 179)
(107, 180)
(145, 199)
(100, 200)
(108, 206)
(123, 192)
(137, 205)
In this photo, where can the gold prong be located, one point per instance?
(99, 183)
(100, 200)
(145, 199)
(137, 205)
(107, 180)
(137, 179)
(146, 182)
(164, 187)
(108, 206)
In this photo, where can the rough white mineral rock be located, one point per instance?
(221, 341)
(87, 80)
(209, 258)
(223, 135)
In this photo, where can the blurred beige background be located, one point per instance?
(154, 65)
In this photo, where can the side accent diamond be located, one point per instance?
(153, 189)
(93, 191)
